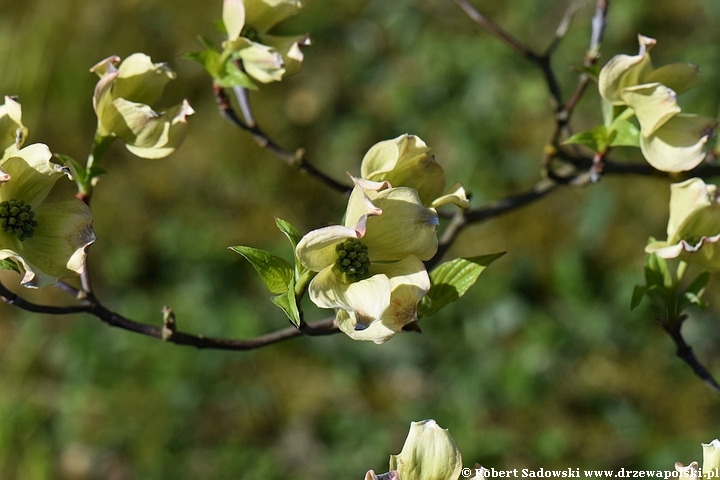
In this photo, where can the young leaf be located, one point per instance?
(290, 232)
(450, 280)
(286, 301)
(591, 71)
(693, 292)
(234, 77)
(637, 296)
(657, 272)
(275, 272)
(626, 134)
(595, 139)
(209, 59)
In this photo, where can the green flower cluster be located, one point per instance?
(17, 218)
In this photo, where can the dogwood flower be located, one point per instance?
(429, 453)
(12, 131)
(370, 268)
(267, 58)
(669, 140)
(121, 103)
(693, 229)
(47, 240)
(404, 162)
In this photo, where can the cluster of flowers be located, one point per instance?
(48, 241)
(370, 268)
(670, 141)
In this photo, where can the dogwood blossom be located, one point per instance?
(669, 140)
(267, 58)
(46, 240)
(371, 268)
(121, 103)
(693, 230)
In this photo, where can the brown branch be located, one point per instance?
(295, 160)
(591, 58)
(542, 61)
(685, 353)
(171, 335)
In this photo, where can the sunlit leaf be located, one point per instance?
(275, 272)
(450, 280)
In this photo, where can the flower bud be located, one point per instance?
(711, 459)
(429, 453)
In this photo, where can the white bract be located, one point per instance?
(670, 141)
(267, 58)
(693, 229)
(121, 102)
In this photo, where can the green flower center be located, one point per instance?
(250, 33)
(353, 260)
(17, 218)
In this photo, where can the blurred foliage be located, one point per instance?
(540, 365)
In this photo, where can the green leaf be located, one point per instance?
(8, 264)
(234, 77)
(691, 295)
(592, 71)
(80, 173)
(290, 232)
(595, 139)
(220, 26)
(692, 299)
(450, 280)
(275, 272)
(657, 272)
(637, 296)
(626, 134)
(286, 301)
(209, 59)
(95, 171)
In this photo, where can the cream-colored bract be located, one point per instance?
(429, 453)
(266, 58)
(400, 232)
(694, 226)
(711, 457)
(405, 162)
(12, 131)
(121, 101)
(670, 141)
(57, 248)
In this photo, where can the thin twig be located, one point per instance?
(95, 308)
(542, 61)
(591, 57)
(295, 160)
(512, 202)
(498, 32)
(562, 28)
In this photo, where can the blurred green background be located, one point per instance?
(542, 364)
